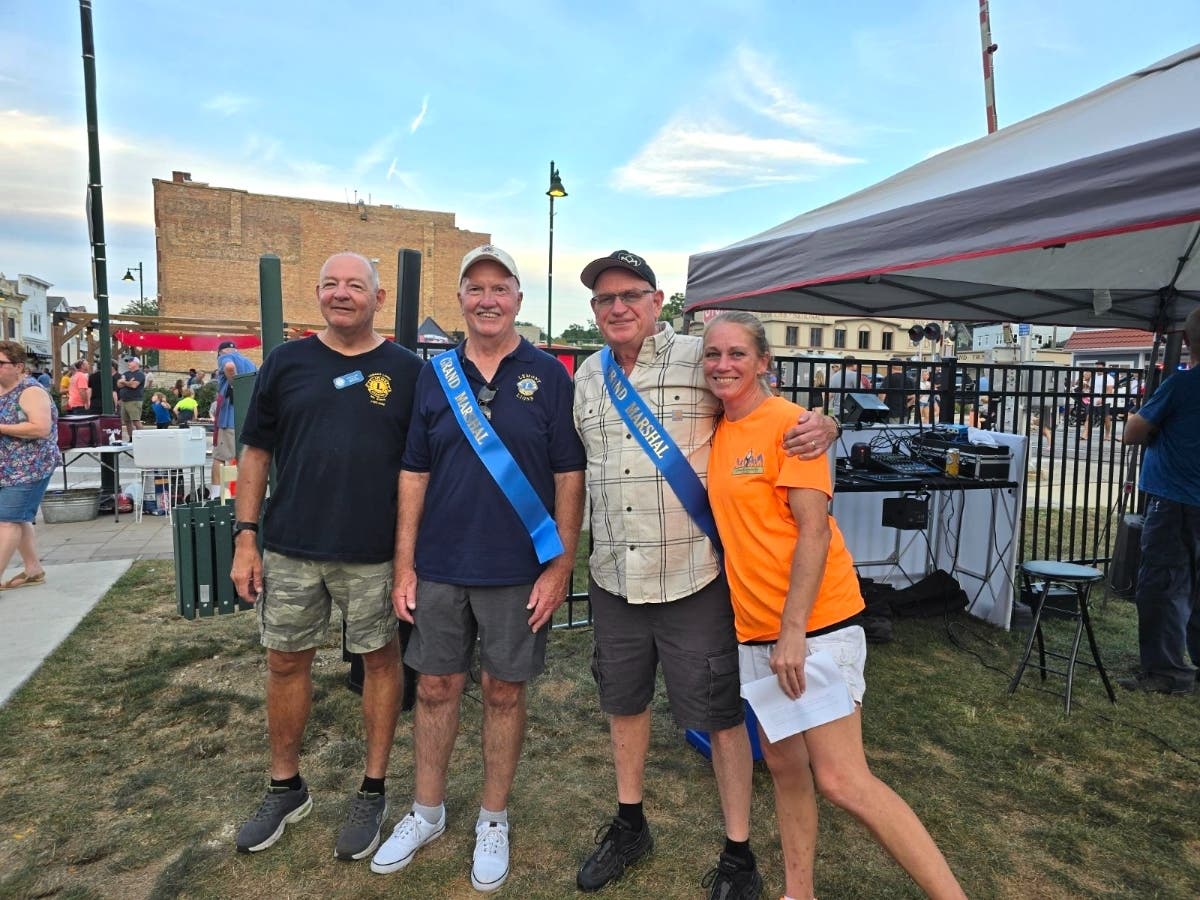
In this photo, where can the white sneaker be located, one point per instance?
(491, 856)
(410, 835)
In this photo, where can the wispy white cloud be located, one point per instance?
(228, 104)
(373, 157)
(752, 131)
(420, 117)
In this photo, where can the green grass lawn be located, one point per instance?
(133, 755)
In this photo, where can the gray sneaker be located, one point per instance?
(279, 808)
(410, 835)
(360, 834)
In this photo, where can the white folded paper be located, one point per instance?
(826, 697)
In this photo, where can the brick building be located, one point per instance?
(209, 241)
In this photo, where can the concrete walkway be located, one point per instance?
(82, 561)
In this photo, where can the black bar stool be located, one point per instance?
(1070, 601)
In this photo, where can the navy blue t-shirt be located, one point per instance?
(1171, 466)
(336, 427)
(469, 533)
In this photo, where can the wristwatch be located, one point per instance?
(239, 527)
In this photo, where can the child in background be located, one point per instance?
(186, 408)
(162, 410)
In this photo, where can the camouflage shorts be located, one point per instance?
(298, 596)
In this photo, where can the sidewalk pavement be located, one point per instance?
(82, 561)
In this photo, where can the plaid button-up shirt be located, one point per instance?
(646, 547)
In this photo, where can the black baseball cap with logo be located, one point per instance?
(618, 259)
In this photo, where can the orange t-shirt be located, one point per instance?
(748, 480)
(77, 385)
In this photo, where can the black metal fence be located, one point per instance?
(1079, 474)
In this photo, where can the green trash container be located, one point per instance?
(203, 538)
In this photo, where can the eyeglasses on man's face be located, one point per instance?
(629, 298)
(5, 362)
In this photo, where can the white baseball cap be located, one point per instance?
(492, 252)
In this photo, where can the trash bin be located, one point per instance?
(203, 538)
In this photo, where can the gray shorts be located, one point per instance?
(224, 449)
(450, 617)
(847, 646)
(298, 597)
(694, 640)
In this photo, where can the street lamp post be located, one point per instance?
(128, 276)
(556, 190)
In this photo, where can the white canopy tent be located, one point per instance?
(1087, 214)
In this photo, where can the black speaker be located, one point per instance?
(859, 409)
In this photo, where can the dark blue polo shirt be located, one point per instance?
(470, 534)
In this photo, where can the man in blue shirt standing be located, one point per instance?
(491, 435)
(230, 364)
(1168, 587)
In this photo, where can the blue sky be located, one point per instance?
(676, 126)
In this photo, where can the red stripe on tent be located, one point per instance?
(156, 340)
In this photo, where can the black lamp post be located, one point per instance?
(556, 190)
(128, 276)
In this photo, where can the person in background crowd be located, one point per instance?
(29, 455)
(1168, 585)
(1104, 409)
(899, 392)
(186, 408)
(816, 397)
(96, 398)
(78, 392)
(161, 410)
(332, 409)
(231, 363)
(844, 381)
(794, 593)
(131, 392)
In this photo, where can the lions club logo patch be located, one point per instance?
(527, 386)
(379, 388)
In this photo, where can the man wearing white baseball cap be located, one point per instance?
(491, 503)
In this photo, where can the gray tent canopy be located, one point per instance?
(1087, 214)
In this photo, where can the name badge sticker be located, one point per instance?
(350, 378)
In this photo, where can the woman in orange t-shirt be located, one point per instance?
(795, 591)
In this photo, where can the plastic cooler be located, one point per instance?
(169, 448)
(701, 741)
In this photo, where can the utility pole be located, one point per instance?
(989, 50)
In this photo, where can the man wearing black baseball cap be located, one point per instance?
(230, 364)
(657, 590)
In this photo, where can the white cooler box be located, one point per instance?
(169, 448)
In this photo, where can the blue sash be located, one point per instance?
(496, 458)
(663, 452)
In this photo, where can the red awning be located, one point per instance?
(154, 340)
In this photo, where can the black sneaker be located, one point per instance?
(279, 808)
(732, 880)
(360, 833)
(619, 846)
(1149, 683)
